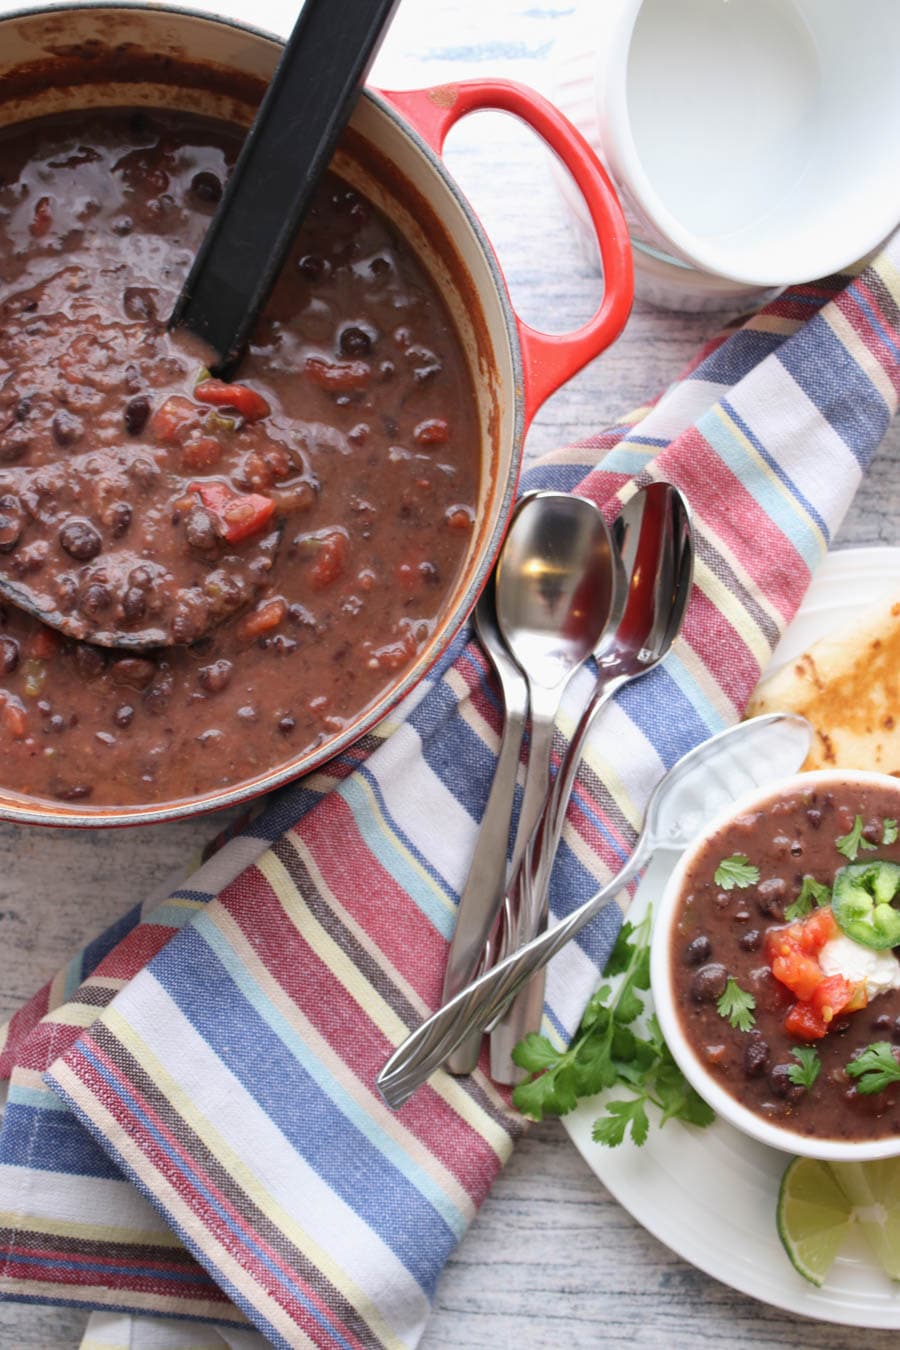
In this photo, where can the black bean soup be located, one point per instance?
(294, 534)
(758, 900)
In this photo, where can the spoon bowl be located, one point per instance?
(654, 543)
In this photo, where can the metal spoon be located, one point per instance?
(654, 539)
(485, 885)
(707, 778)
(555, 590)
(557, 587)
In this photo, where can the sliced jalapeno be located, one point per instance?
(861, 901)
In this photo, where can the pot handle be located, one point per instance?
(549, 358)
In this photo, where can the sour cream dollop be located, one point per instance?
(879, 969)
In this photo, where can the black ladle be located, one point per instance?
(305, 108)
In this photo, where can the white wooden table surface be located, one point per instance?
(552, 1259)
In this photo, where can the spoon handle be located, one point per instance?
(426, 1048)
(485, 886)
(530, 885)
(286, 151)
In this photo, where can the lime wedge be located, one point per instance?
(814, 1215)
(873, 1189)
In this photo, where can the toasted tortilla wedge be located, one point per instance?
(848, 686)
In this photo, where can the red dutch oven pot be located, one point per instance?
(102, 55)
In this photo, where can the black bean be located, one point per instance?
(139, 302)
(709, 983)
(355, 340)
(134, 603)
(200, 530)
(814, 817)
(134, 671)
(780, 1081)
(67, 428)
(207, 186)
(144, 471)
(95, 598)
(156, 698)
(140, 576)
(90, 661)
(119, 517)
(883, 1022)
(749, 941)
(756, 1056)
(56, 724)
(14, 443)
(286, 725)
(247, 713)
(124, 715)
(189, 621)
(769, 896)
(137, 411)
(11, 523)
(9, 655)
(23, 408)
(698, 949)
(215, 677)
(314, 267)
(81, 540)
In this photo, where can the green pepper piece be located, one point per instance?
(862, 906)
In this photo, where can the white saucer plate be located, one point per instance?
(710, 1194)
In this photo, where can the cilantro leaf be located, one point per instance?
(738, 871)
(736, 1005)
(612, 1048)
(623, 951)
(682, 1102)
(805, 1072)
(849, 844)
(612, 1128)
(535, 1052)
(811, 892)
(874, 1069)
(890, 831)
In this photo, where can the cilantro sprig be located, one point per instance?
(812, 892)
(890, 831)
(738, 871)
(608, 1051)
(808, 1067)
(850, 843)
(875, 1069)
(736, 1005)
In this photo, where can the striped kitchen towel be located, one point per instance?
(193, 1128)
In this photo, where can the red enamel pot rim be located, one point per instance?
(533, 363)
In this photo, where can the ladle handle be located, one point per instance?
(549, 359)
(285, 153)
(426, 1048)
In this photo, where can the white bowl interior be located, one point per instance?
(759, 135)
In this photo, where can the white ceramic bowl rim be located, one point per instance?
(722, 1102)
